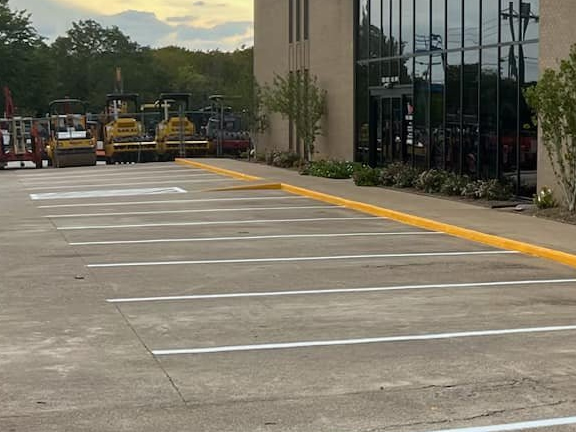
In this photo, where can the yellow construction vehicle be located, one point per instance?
(125, 140)
(71, 143)
(177, 135)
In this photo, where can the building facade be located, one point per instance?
(433, 83)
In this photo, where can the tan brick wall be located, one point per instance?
(557, 35)
(329, 55)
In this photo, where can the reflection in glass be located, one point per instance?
(407, 27)
(395, 27)
(453, 110)
(421, 110)
(375, 28)
(363, 30)
(422, 37)
(454, 24)
(509, 20)
(490, 21)
(362, 103)
(438, 25)
(530, 12)
(509, 113)
(489, 114)
(386, 48)
(437, 85)
(471, 23)
(470, 143)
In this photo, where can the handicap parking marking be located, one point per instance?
(301, 259)
(106, 193)
(227, 222)
(211, 210)
(536, 424)
(363, 341)
(257, 238)
(470, 285)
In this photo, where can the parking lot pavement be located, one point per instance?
(138, 297)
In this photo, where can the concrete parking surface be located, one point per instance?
(140, 298)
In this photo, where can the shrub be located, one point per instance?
(331, 169)
(282, 159)
(493, 190)
(431, 181)
(545, 199)
(399, 175)
(454, 184)
(367, 176)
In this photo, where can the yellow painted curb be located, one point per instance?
(261, 186)
(476, 236)
(223, 171)
(405, 218)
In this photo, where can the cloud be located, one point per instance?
(145, 27)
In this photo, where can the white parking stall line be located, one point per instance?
(343, 342)
(212, 210)
(102, 173)
(165, 202)
(228, 222)
(172, 181)
(300, 259)
(152, 176)
(105, 193)
(535, 424)
(255, 238)
(341, 291)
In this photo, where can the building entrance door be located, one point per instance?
(391, 129)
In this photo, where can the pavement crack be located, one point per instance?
(166, 374)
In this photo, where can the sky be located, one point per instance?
(193, 24)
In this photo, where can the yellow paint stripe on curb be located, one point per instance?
(405, 218)
(217, 170)
(468, 234)
(261, 186)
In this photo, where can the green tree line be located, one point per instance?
(82, 64)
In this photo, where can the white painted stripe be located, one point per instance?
(106, 193)
(536, 424)
(299, 259)
(101, 173)
(164, 202)
(212, 210)
(264, 237)
(100, 185)
(89, 182)
(232, 222)
(387, 339)
(341, 291)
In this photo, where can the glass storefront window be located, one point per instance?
(422, 37)
(510, 27)
(438, 25)
(395, 27)
(490, 21)
(530, 13)
(453, 110)
(363, 29)
(454, 24)
(437, 87)
(421, 142)
(489, 114)
(509, 112)
(375, 28)
(470, 144)
(408, 26)
(471, 23)
(386, 48)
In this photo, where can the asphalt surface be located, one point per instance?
(139, 298)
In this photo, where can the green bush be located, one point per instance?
(282, 159)
(431, 181)
(330, 169)
(545, 199)
(399, 175)
(492, 190)
(454, 184)
(367, 176)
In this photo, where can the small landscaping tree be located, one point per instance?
(298, 98)
(554, 100)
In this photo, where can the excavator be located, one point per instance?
(20, 137)
(71, 143)
(125, 139)
(176, 134)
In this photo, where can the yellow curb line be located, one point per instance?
(229, 173)
(476, 236)
(405, 218)
(261, 186)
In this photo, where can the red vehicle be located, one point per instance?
(20, 138)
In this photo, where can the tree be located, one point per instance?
(298, 98)
(554, 100)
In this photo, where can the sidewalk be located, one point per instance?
(541, 232)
